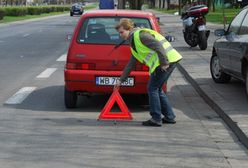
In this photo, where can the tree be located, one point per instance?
(168, 4)
(151, 3)
(161, 4)
(136, 4)
(121, 4)
(133, 4)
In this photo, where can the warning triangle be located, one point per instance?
(123, 115)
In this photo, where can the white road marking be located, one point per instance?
(25, 35)
(47, 73)
(19, 96)
(62, 57)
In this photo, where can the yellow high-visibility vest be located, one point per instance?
(148, 56)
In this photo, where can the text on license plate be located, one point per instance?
(104, 80)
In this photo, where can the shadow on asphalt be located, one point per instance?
(187, 48)
(52, 99)
(87, 122)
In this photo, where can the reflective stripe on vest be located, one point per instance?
(148, 56)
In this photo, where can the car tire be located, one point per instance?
(70, 99)
(71, 13)
(216, 72)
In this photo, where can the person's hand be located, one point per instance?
(117, 85)
(164, 67)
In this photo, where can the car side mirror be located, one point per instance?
(219, 32)
(170, 38)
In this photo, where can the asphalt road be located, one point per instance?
(29, 48)
(37, 131)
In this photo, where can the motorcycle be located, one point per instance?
(194, 23)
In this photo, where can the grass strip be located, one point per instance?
(8, 19)
(215, 17)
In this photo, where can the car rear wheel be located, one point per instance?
(71, 13)
(70, 99)
(216, 72)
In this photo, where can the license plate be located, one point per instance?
(202, 27)
(108, 81)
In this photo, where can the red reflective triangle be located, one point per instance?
(123, 115)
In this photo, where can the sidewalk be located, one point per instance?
(229, 99)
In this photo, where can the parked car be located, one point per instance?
(97, 55)
(77, 9)
(230, 51)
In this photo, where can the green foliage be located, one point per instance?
(8, 19)
(34, 10)
(46, 9)
(15, 11)
(216, 17)
(60, 9)
(10, 14)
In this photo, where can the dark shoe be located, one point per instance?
(151, 123)
(167, 121)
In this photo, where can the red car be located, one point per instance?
(97, 55)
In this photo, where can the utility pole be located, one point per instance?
(180, 7)
(223, 12)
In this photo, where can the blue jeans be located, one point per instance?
(158, 100)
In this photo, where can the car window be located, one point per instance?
(244, 27)
(236, 23)
(101, 30)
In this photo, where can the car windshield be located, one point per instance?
(101, 30)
